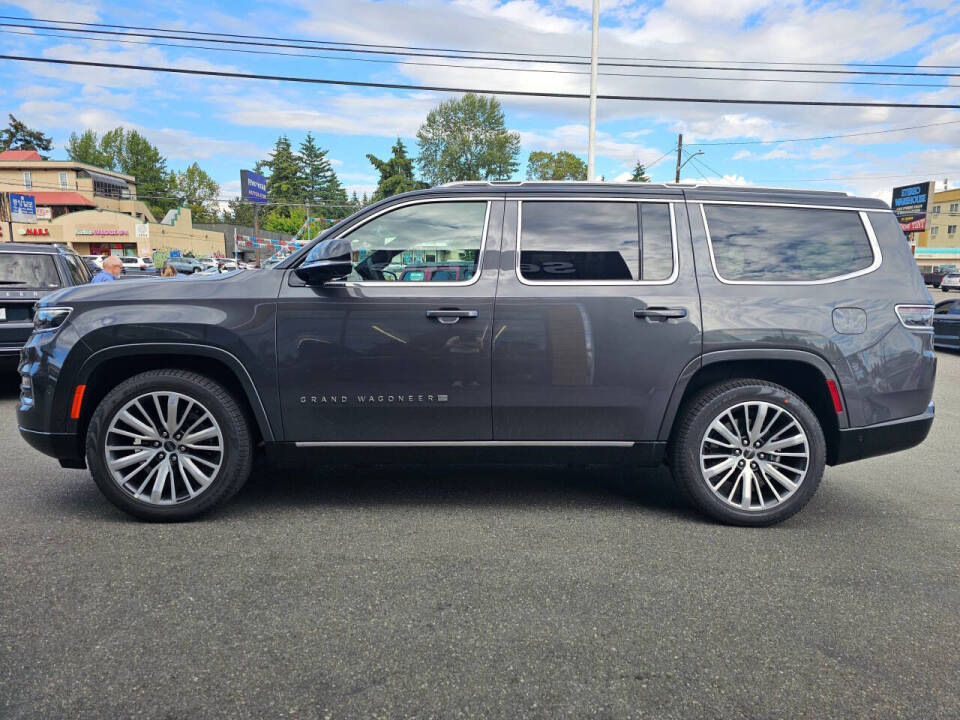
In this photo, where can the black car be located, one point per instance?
(946, 324)
(746, 337)
(28, 273)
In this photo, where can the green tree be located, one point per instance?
(17, 136)
(284, 172)
(561, 165)
(467, 139)
(85, 148)
(640, 173)
(396, 173)
(238, 212)
(320, 182)
(198, 191)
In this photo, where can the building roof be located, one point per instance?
(19, 155)
(62, 198)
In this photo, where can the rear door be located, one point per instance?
(597, 313)
(25, 277)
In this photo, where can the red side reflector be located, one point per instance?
(77, 402)
(835, 395)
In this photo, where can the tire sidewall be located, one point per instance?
(780, 397)
(233, 437)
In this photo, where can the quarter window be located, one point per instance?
(598, 241)
(430, 242)
(778, 244)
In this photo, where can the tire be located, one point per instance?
(777, 501)
(193, 478)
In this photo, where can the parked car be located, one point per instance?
(453, 271)
(747, 337)
(28, 273)
(185, 265)
(946, 324)
(935, 276)
(950, 282)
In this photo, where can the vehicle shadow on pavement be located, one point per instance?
(461, 485)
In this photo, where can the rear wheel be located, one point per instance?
(748, 452)
(168, 445)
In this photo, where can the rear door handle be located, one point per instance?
(448, 317)
(660, 313)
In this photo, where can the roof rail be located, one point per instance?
(603, 183)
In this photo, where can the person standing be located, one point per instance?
(112, 267)
(168, 271)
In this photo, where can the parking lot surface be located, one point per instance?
(444, 592)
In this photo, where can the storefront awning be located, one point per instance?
(62, 198)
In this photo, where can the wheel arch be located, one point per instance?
(106, 368)
(801, 372)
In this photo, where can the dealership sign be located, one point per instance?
(253, 186)
(23, 208)
(911, 205)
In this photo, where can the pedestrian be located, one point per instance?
(112, 267)
(168, 270)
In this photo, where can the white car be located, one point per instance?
(950, 282)
(131, 263)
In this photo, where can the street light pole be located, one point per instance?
(595, 41)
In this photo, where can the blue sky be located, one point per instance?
(226, 125)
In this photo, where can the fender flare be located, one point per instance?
(208, 351)
(764, 354)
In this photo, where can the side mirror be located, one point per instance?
(328, 260)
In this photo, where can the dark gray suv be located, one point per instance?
(747, 337)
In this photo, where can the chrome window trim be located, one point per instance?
(864, 220)
(422, 201)
(811, 206)
(470, 443)
(601, 283)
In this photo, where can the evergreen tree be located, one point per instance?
(640, 173)
(85, 148)
(285, 176)
(198, 191)
(396, 174)
(17, 136)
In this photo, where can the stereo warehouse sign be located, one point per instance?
(911, 205)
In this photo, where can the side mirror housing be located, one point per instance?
(326, 261)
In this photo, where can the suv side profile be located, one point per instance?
(746, 337)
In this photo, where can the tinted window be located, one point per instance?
(25, 270)
(78, 271)
(777, 244)
(425, 237)
(595, 241)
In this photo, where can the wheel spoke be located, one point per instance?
(780, 477)
(719, 427)
(210, 432)
(198, 475)
(786, 442)
(745, 493)
(758, 423)
(156, 493)
(172, 402)
(715, 470)
(131, 459)
(139, 425)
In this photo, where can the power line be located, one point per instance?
(825, 137)
(459, 55)
(517, 93)
(475, 67)
(489, 52)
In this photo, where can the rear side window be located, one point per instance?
(779, 244)
(78, 271)
(598, 241)
(28, 271)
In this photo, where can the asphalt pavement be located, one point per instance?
(448, 592)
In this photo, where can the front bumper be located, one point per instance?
(883, 438)
(62, 446)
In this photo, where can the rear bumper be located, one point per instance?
(883, 438)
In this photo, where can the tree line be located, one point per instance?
(461, 139)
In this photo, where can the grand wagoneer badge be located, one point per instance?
(379, 399)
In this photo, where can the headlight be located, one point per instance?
(50, 318)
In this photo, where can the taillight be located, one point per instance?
(916, 317)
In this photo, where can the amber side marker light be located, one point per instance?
(835, 396)
(77, 402)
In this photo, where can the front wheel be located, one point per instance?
(168, 445)
(748, 452)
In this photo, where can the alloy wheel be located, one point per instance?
(164, 448)
(754, 456)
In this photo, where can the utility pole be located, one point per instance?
(592, 133)
(679, 153)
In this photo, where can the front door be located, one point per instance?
(597, 313)
(400, 351)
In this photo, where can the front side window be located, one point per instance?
(595, 241)
(27, 180)
(780, 244)
(431, 242)
(78, 271)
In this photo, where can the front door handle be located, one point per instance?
(660, 313)
(448, 317)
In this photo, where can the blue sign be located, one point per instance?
(23, 208)
(174, 253)
(253, 186)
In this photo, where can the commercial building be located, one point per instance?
(939, 242)
(92, 210)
